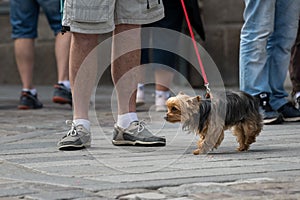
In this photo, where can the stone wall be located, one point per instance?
(223, 20)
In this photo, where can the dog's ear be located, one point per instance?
(194, 100)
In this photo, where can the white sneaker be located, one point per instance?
(160, 103)
(140, 96)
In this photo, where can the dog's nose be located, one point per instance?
(166, 117)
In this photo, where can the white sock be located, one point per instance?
(84, 122)
(32, 91)
(124, 120)
(165, 94)
(66, 83)
(297, 94)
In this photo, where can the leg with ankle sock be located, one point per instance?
(84, 122)
(124, 75)
(124, 120)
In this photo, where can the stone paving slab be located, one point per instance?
(31, 167)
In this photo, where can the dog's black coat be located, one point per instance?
(240, 106)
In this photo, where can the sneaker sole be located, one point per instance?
(137, 143)
(74, 147)
(272, 121)
(23, 107)
(61, 100)
(294, 119)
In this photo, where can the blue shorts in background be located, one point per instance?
(24, 16)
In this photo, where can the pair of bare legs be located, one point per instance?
(83, 72)
(24, 52)
(86, 63)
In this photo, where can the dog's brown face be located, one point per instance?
(178, 106)
(174, 112)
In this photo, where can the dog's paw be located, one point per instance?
(196, 152)
(242, 148)
(199, 151)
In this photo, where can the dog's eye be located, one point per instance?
(174, 109)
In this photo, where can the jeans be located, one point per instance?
(267, 36)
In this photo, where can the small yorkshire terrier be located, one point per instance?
(211, 117)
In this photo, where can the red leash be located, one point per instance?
(206, 83)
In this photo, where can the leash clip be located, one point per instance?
(207, 94)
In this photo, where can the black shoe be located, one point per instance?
(270, 116)
(29, 101)
(289, 113)
(62, 94)
(297, 103)
(136, 134)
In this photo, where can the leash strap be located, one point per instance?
(206, 83)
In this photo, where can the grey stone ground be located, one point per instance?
(31, 167)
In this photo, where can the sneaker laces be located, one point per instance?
(141, 125)
(73, 130)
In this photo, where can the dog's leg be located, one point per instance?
(199, 144)
(251, 130)
(213, 136)
(238, 131)
(221, 138)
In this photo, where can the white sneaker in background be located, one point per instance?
(160, 101)
(140, 95)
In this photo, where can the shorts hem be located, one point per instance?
(102, 30)
(75, 29)
(138, 21)
(23, 37)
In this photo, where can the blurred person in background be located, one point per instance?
(24, 17)
(267, 36)
(294, 70)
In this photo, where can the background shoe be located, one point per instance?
(76, 138)
(136, 134)
(160, 103)
(295, 99)
(140, 96)
(297, 103)
(62, 94)
(270, 116)
(289, 113)
(29, 101)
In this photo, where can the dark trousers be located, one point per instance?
(173, 20)
(294, 67)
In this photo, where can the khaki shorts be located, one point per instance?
(101, 16)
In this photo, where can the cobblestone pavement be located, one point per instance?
(31, 167)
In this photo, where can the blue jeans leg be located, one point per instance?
(258, 26)
(279, 48)
(267, 36)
